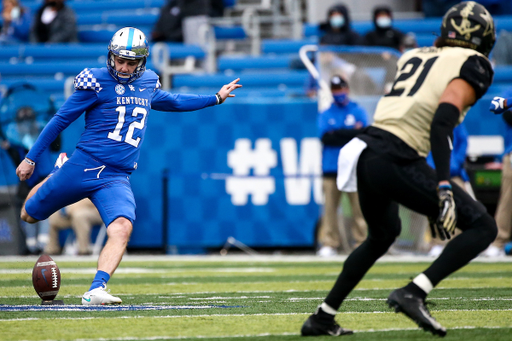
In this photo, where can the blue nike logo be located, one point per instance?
(44, 276)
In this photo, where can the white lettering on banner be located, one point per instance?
(242, 159)
(301, 173)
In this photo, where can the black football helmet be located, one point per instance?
(468, 24)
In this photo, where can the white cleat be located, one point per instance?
(100, 296)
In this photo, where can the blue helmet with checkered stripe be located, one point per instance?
(128, 43)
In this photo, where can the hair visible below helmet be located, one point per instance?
(128, 43)
(469, 25)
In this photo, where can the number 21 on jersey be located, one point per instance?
(411, 73)
(115, 135)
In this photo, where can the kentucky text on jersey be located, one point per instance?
(133, 100)
(116, 116)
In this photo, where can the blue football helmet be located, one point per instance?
(129, 43)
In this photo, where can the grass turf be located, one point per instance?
(267, 300)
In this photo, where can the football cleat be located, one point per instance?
(100, 296)
(316, 325)
(414, 308)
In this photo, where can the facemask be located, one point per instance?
(337, 21)
(340, 99)
(383, 22)
(15, 13)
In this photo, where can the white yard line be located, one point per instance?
(240, 258)
(129, 338)
(234, 315)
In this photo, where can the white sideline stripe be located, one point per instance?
(131, 338)
(235, 315)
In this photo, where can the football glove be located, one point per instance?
(499, 105)
(447, 218)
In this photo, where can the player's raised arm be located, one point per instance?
(165, 101)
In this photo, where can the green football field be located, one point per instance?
(235, 298)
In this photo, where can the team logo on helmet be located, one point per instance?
(465, 28)
(120, 89)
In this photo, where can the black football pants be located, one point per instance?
(382, 185)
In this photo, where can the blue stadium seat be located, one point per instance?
(229, 32)
(248, 79)
(249, 62)
(284, 45)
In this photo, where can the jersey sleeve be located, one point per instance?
(86, 80)
(362, 116)
(74, 106)
(165, 101)
(477, 71)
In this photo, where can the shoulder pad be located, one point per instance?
(151, 79)
(86, 80)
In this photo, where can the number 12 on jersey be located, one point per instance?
(409, 70)
(115, 135)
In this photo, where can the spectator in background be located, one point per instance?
(169, 26)
(20, 136)
(337, 126)
(337, 28)
(504, 210)
(458, 175)
(16, 22)
(384, 34)
(54, 22)
(81, 217)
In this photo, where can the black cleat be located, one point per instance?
(414, 307)
(315, 326)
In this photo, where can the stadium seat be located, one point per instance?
(249, 79)
(285, 45)
(249, 62)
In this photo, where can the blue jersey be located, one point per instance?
(116, 115)
(335, 118)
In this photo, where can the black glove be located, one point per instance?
(447, 218)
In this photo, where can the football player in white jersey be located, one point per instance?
(433, 90)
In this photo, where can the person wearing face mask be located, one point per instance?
(16, 22)
(384, 34)
(337, 28)
(337, 126)
(54, 22)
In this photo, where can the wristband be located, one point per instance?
(219, 98)
(30, 162)
(446, 186)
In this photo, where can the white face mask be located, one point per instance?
(383, 22)
(15, 13)
(337, 21)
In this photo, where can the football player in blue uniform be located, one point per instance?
(117, 102)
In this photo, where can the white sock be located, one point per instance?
(423, 282)
(327, 309)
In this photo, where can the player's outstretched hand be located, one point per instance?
(225, 91)
(499, 105)
(24, 170)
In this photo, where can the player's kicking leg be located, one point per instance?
(118, 235)
(58, 164)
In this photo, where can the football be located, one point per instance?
(46, 278)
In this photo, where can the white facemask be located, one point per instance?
(15, 13)
(383, 22)
(337, 21)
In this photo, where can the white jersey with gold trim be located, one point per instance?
(422, 76)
